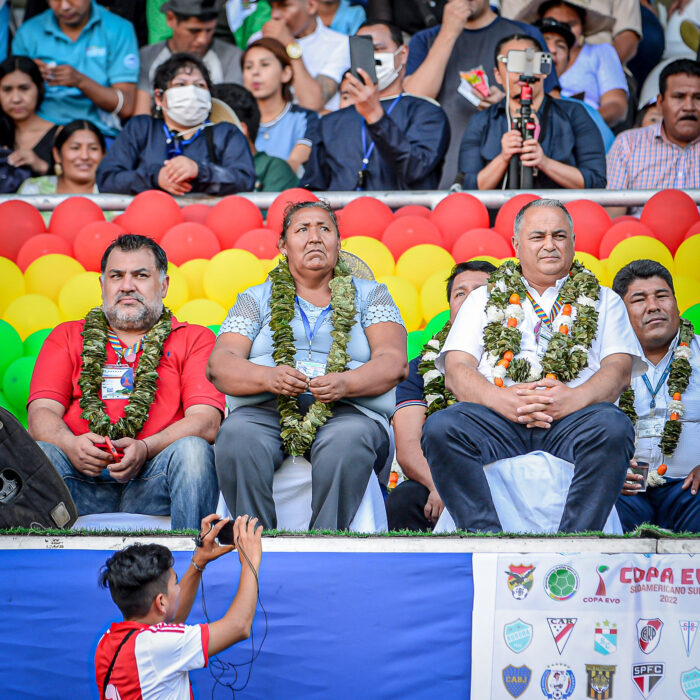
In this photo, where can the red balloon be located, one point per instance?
(365, 216)
(73, 214)
(508, 239)
(41, 244)
(618, 232)
(506, 214)
(275, 214)
(231, 218)
(669, 214)
(196, 212)
(480, 241)
(457, 213)
(591, 221)
(408, 231)
(261, 242)
(412, 210)
(190, 240)
(151, 213)
(692, 231)
(92, 241)
(19, 221)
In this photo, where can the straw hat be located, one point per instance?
(595, 21)
(221, 112)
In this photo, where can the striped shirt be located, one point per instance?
(643, 159)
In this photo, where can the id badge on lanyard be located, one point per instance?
(544, 335)
(117, 382)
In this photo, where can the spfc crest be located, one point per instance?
(520, 580)
(646, 677)
(558, 682)
(690, 682)
(561, 629)
(516, 679)
(518, 635)
(605, 639)
(688, 630)
(649, 634)
(600, 681)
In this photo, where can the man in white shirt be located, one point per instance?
(672, 351)
(554, 320)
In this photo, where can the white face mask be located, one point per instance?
(385, 69)
(188, 105)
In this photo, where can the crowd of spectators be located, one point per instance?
(444, 111)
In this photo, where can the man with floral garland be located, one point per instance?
(536, 359)
(663, 404)
(132, 374)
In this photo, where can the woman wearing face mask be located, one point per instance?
(25, 138)
(287, 130)
(178, 149)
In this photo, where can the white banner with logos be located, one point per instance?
(601, 626)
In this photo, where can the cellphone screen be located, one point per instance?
(225, 535)
(362, 56)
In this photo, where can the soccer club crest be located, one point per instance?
(520, 580)
(649, 634)
(688, 630)
(561, 583)
(518, 635)
(558, 682)
(605, 639)
(690, 682)
(561, 629)
(646, 677)
(516, 679)
(600, 681)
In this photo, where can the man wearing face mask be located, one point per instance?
(179, 150)
(386, 139)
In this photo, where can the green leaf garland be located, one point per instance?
(435, 393)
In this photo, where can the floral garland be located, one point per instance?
(298, 432)
(678, 380)
(576, 324)
(436, 395)
(94, 358)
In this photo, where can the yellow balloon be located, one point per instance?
(270, 264)
(606, 279)
(32, 312)
(178, 292)
(47, 274)
(418, 263)
(637, 248)
(205, 312)
(229, 272)
(592, 264)
(193, 270)
(80, 294)
(373, 252)
(433, 294)
(405, 296)
(497, 263)
(11, 283)
(687, 292)
(688, 257)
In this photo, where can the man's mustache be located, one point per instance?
(129, 295)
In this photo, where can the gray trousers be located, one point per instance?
(249, 450)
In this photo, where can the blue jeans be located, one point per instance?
(180, 481)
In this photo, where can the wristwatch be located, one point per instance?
(293, 50)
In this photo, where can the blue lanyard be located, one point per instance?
(654, 392)
(311, 334)
(368, 150)
(175, 144)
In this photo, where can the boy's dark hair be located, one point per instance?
(396, 33)
(242, 102)
(294, 207)
(682, 66)
(135, 576)
(129, 242)
(471, 266)
(640, 269)
(167, 70)
(65, 132)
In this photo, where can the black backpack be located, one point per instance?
(32, 492)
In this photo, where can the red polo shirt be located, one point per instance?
(181, 376)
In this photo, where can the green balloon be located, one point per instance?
(693, 315)
(414, 344)
(10, 346)
(436, 323)
(33, 342)
(215, 327)
(5, 403)
(15, 383)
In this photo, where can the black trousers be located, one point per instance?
(459, 440)
(405, 507)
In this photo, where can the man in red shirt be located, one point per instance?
(120, 403)
(149, 654)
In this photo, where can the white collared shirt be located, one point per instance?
(615, 333)
(687, 454)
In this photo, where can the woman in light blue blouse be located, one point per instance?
(319, 352)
